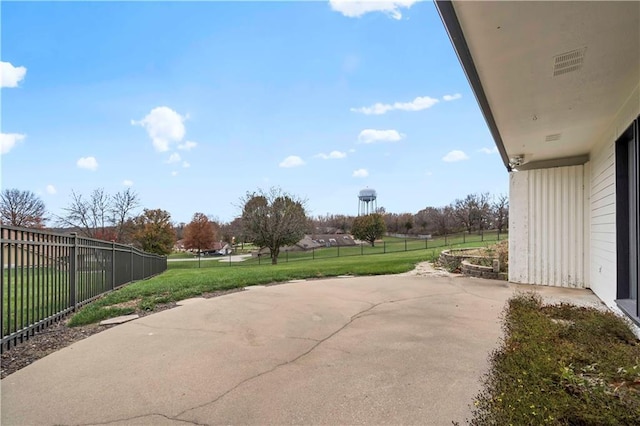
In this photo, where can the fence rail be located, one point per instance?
(389, 245)
(47, 275)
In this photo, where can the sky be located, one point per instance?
(194, 104)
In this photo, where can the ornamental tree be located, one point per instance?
(369, 228)
(273, 219)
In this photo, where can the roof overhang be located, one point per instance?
(549, 76)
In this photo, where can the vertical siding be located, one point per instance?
(549, 223)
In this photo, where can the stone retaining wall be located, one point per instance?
(481, 271)
(451, 259)
(457, 259)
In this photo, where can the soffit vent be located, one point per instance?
(568, 62)
(552, 138)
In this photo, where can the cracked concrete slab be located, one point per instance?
(374, 350)
(119, 320)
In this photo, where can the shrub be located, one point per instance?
(561, 365)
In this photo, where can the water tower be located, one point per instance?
(365, 197)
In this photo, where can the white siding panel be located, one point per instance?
(603, 260)
(603, 224)
(547, 225)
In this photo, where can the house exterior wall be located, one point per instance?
(562, 221)
(602, 209)
(548, 242)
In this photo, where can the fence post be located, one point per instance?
(313, 253)
(384, 247)
(464, 237)
(405, 244)
(445, 238)
(361, 249)
(131, 260)
(113, 265)
(338, 251)
(482, 235)
(73, 259)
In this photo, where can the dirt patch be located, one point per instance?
(130, 304)
(426, 269)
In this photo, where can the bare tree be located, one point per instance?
(22, 208)
(441, 220)
(500, 209)
(233, 231)
(123, 205)
(274, 219)
(473, 211)
(101, 215)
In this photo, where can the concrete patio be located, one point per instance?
(368, 350)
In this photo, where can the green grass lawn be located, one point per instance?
(181, 282)
(33, 294)
(387, 245)
(181, 255)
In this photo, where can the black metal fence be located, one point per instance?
(331, 250)
(47, 275)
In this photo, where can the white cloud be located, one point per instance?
(372, 136)
(51, 189)
(186, 164)
(428, 173)
(164, 126)
(174, 173)
(418, 104)
(360, 173)
(127, 182)
(455, 155)
(493, 150)
(89, 163)
(187, 146)
(451, 97)
(357, 8)
(9, 140)
(292, 161)
(174, 158)
(11, 76)
(333, 155)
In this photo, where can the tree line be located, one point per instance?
(270, 219)
(473, 213)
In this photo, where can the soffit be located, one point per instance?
(514, 46)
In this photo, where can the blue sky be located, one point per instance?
(194, 104)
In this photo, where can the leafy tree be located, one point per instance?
(154, 232)
(101, 215)
(22, 208)
(274, 219)
(369, 228)
(199, 233)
